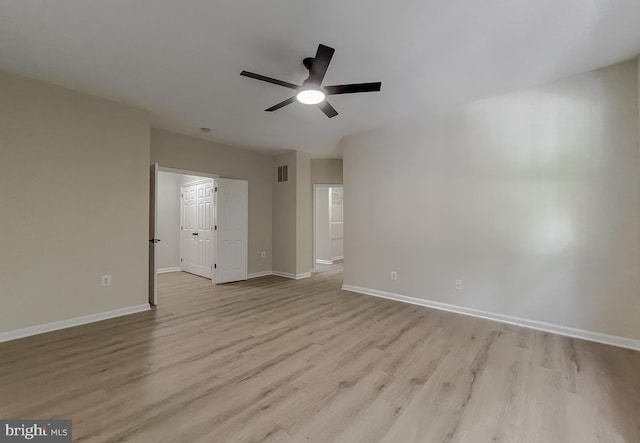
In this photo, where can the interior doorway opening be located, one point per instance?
(185, 223)
(198, 224)
(197, 215)
(328, 223)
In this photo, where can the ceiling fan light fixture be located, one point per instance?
(311, 92)
(310, 96)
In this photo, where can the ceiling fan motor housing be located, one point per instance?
(308, 62)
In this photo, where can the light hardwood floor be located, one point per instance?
(276, 360)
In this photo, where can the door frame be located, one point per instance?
(313, 217)
(152, 266)
(187, 172)
(154, 197)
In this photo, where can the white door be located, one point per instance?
(153, 229)
(232, 225)
(196, 230)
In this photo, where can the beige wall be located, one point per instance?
(182, 152)
(532, 199)
(326, 171)
(74, 179)
(292, 214)
(304, 214)
(284, 214)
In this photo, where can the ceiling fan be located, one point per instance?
(312, 92)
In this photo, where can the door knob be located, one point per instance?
(194, 233)
(154, 240)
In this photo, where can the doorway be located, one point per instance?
(197, 214)
(328, 222)
(187, 231)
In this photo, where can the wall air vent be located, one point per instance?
(283, 173)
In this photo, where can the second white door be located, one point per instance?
(197, 225)
(232, 201)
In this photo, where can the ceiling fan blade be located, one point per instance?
(269, 80)
(320, 64)
(328, 110)
(353, 88)
(281, 104)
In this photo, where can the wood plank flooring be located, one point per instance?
(276, 360)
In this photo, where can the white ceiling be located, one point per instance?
(181, 60)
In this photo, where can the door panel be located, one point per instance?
(230, 244)
(197, 227)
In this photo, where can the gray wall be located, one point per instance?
(531, 198)
(304, 214)
(326, 171)
(292, 217)
(74, 187)
(192, 154)
(284, 214)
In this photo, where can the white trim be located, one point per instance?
(598, 337)
(292, 276)
(187, 172)
(48, 327)
(165, 270)
(259, 274)
(329, 262)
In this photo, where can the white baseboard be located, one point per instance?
(324, 262)
(165, 270)
(259, 274)
(613, 340)
(292, 276)
(48, 327)
(329, 262)
(279, 274)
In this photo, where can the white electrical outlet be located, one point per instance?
(394, 275)
(458, 284)
(264, 254)
(106, 280)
